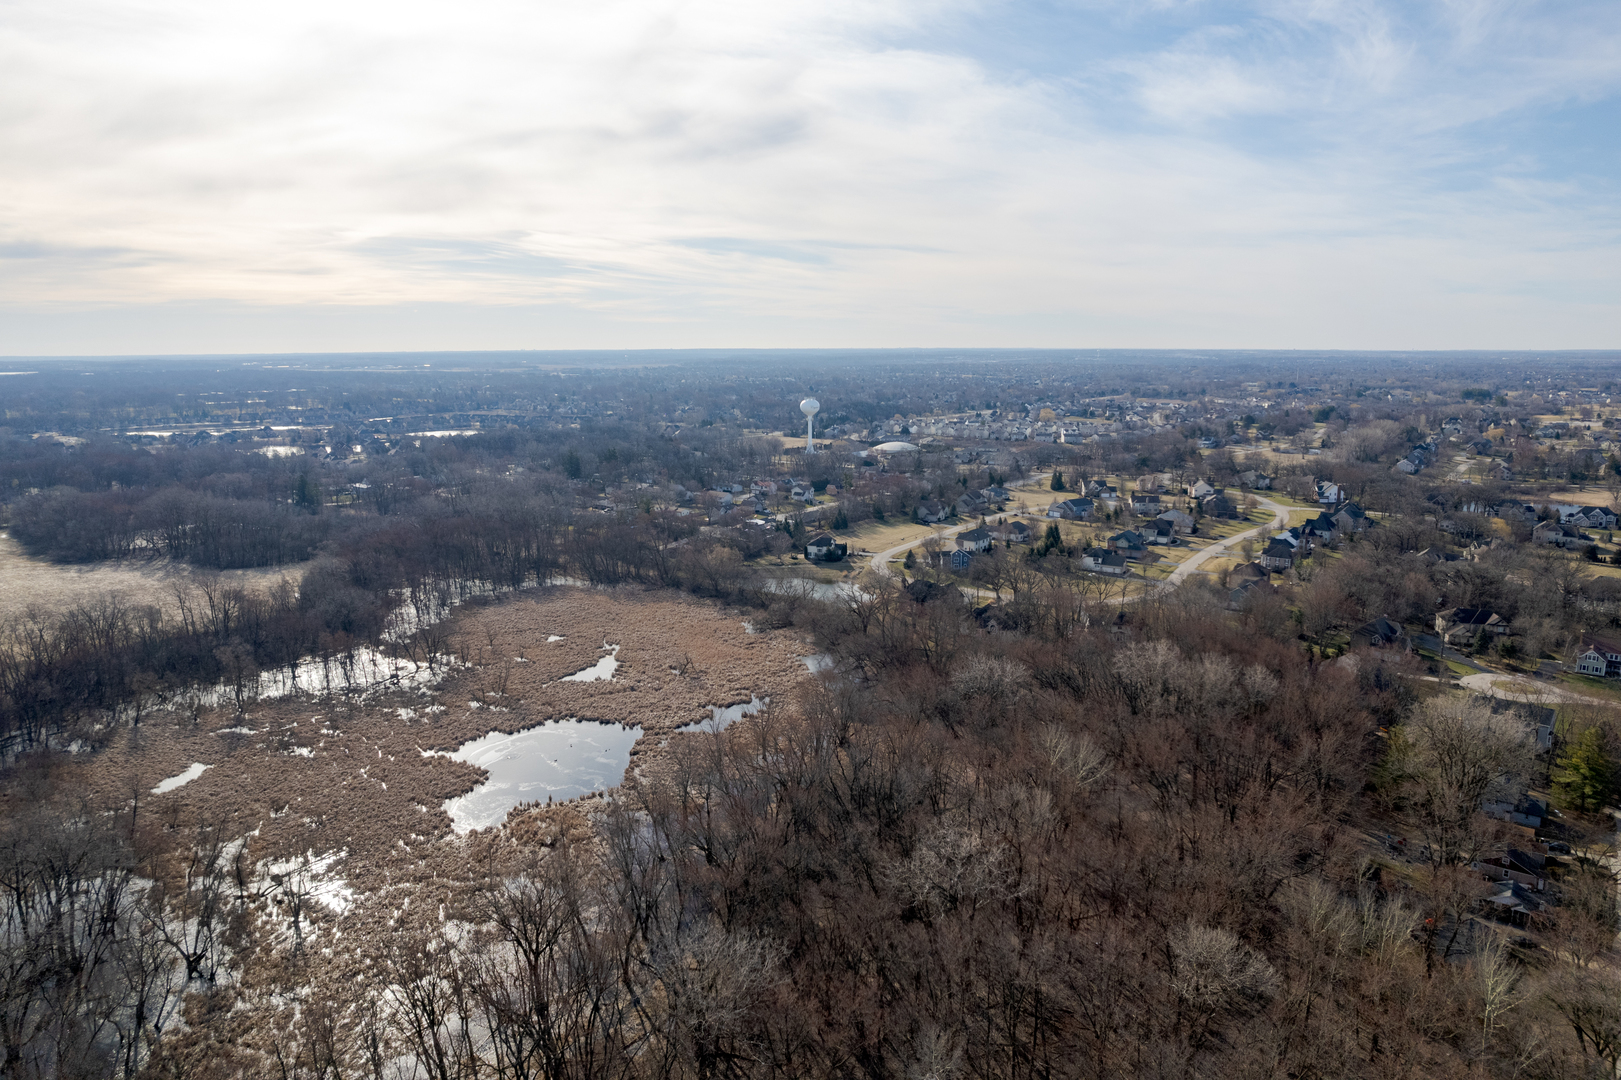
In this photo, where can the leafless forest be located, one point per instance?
(1002, 824)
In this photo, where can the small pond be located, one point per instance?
(563, 759)
(721, 718)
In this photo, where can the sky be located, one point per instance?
(323, 175)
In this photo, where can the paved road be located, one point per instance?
(880, 561)
(1280, 519)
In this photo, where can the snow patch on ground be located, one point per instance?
(818, 662)
(197, 769)
(311, 876)
(554, 637)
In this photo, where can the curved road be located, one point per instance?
(880, 561)
(1280, 519)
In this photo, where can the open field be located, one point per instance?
(27, 582)
(874, 535)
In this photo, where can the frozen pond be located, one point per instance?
(720, 718)
(602, 670)
(819, 590)
(564, 760)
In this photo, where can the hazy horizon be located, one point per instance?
(188, 177)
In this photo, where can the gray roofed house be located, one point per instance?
(1378, 633)
(1277, 555)
(1460, 625)
(976, 539)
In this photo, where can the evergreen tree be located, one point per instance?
(307, 493)
(877, 512)
(1585, 779)
(911, 559)
(1058, 480)
(572, 466)
(840, 521)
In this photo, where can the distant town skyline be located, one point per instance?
(191, 177)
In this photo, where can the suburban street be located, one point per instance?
(880, 561)
(1280, 519)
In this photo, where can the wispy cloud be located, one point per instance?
(1318, 172)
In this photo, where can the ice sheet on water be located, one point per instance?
(561, 760)
(602, 670)
(197, 769)
(365, 671)
(721, 718)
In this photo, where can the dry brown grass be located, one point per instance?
(27, 582)
(365, 785)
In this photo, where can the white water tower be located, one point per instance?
(809, 407)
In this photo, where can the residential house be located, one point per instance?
(1592, 517)
(804, 493)
(1104, 561)
(1599, 655)
(1558, 534)
(1098, 489)
(1254, 480)
(1151, 484)
(1437, 555)
(1220, 507)
(1199, 489)
(1014, 532)
(1461, 626)
(823, 548)
(1248, 572)
(1521, 867)
(1407, 466)
(1145, 503)
(1074, 509)
(1524, 811)
(1330, 494)
(1277, 555)
(1241, 595)
(931, 511)
(1378, 633)
(996, 494)
(1513, 903)
(976, 540)
(1351, 518)
(1129, 540)
(1159, 531)
(972, 504)
(953, 559)
(1322, 526)
(1182, 522)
